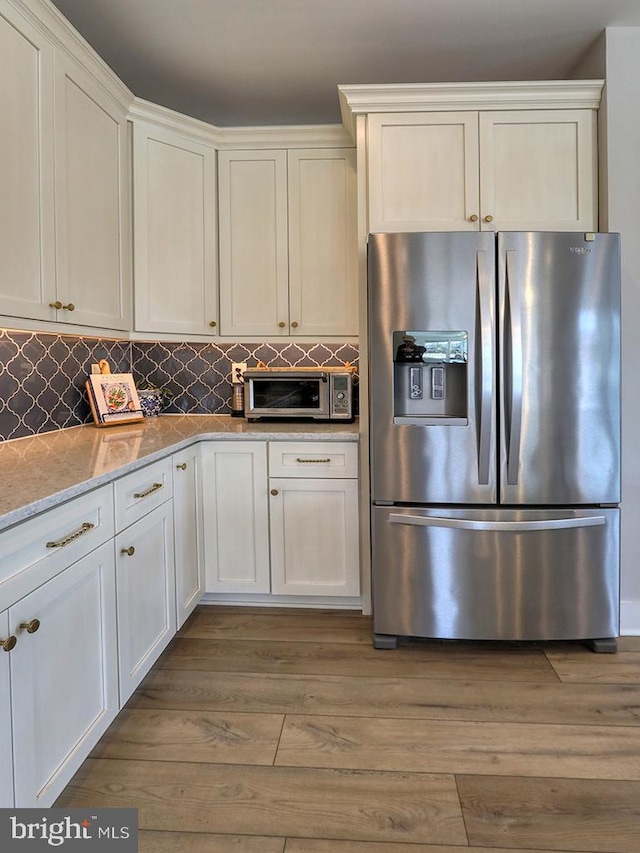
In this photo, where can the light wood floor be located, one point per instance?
(286, 732)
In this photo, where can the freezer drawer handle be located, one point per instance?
(510, 526)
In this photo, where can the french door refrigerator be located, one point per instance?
(495, 436)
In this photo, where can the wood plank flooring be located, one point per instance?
(286, 732)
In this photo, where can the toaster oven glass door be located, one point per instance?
(294, 396)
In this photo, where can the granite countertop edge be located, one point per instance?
(43, 471)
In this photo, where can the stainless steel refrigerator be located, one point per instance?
(494, 364)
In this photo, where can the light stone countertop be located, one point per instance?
(42, 471)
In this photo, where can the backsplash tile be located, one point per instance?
(42, 375)
(198, 376)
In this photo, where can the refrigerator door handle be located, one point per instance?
(512, 371)
(484, 362)
(507, 526)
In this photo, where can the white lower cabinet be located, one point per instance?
(314, 537)
(6, 745)
(295, 534)
(187, 522)
(146, 603)
(64, 685)
(236, 522)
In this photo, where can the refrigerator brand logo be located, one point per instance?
(579, 250)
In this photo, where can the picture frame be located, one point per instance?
(113, 399)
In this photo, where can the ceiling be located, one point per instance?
(269, 62)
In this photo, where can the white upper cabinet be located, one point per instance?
(506, 170)
(288, 242)
(254, 276)
(423, 171)
(323, 269)
(27, 273)
(538, 170)
(92, 202)
(175, 242)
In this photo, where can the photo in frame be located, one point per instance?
(113, 399)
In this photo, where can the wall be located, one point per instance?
(620, 206)
(42, 375)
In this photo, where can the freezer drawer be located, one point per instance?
(496, 574)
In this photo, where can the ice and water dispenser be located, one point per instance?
(430, 377)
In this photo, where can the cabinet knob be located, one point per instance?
(31, 627)
(130, 551)
(213, 324)
(488, 219)
(70, 306)
(182, 466)
(8, 643)
(274, 492)
(473, 217)
(294, 325)
(57, 305)
(282, 324)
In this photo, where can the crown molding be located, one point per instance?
(46, 18)
(426, 97)
(277, 136)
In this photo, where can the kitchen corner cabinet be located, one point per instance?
(503, 170)
(288, 242)
(187, 523)
(175, 257)
(236, 526)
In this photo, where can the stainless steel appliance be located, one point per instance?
(320, 393)
(495, 436)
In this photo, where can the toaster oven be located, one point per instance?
(320, 393)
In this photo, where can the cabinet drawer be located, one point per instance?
(35, 550)
(141, 491)
(313, 459)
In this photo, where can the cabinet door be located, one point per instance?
(145, 579)
(93, 258)
(323, 264)
(27, 274)
(538, 170)
(63, 676)
(6, 748)
(187, 522)
(254, 298)
(236, 523)
(423, 171)
(314, 537)
(175, 233)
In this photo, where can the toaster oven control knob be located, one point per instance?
(340, 395)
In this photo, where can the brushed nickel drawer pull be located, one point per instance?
(305, 461)
(149, 491)
(66, 540)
